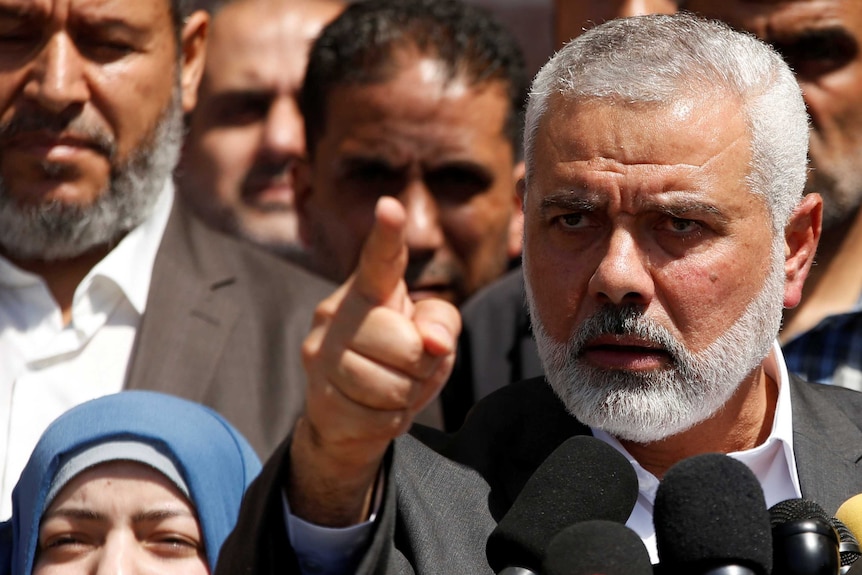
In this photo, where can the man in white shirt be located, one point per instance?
(104, 283)
(665, 231)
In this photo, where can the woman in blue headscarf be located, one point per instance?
(137, 477)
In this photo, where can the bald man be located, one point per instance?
(246, 135)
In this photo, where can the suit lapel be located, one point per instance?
(827, 446)
(189, 313)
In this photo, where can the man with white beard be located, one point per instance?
(105, 283)
(665, 230)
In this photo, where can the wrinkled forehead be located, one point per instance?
(691, 128)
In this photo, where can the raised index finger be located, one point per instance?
(383, 259)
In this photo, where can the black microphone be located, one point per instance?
(597, 548)
(848, 546)
(711, 519)
(583, 479)
(803, 539)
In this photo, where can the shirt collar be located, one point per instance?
(129, 265)
(780, 437)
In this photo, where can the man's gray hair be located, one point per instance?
(661, 59)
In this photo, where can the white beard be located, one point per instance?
(649, 406)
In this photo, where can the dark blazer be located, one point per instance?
(223, 326)
(440, 508)
(495, 348)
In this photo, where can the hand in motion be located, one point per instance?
(374, 360)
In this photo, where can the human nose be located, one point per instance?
(423, 231)
(57, 81)
(116, 557)
(623, 275)
(283, 132)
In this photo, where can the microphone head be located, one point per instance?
(583, 479)
(848, 546)
(803, 539)
(850, 513)
(710, 513)
(593, 547)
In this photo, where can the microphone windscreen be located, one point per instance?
(850, 513)
(791, 510)
(593, 547)
(804, 542)
(848, 546)
(710, 512)
(583, 479)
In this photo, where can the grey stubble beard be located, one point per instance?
(58, 231)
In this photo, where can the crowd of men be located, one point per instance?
(310, 215)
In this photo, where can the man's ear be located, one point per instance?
(193, 45)
(516, 224)
(801, 236)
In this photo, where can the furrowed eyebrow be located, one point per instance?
(570, 201)
(682, 209)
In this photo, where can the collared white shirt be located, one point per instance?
(772, 462)
(47, 367)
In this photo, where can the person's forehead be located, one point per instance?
(260, 42)
(687, 132)
(107, 9)
(432, 115)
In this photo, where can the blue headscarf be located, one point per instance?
(215, 461)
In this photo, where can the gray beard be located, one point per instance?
(58, 231)
(644, 407)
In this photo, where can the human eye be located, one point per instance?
(818, 52)
(238, 109)
(105, 49)
(62, 546)
(369, 178)
(175, 545)
(572, 221)
(17, 35)
(682, 225)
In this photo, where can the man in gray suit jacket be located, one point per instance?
(665, 231)
(104, 284)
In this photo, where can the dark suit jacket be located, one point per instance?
(440, 508)
(495, 348)
(223, 326)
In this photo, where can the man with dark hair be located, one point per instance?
(105, 282)
(246, 136)
(423, 101)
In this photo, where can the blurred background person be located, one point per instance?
(422, 101)
(246, 134)
(136, 482)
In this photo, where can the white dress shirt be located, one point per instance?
(772, 462)
(48, 367)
